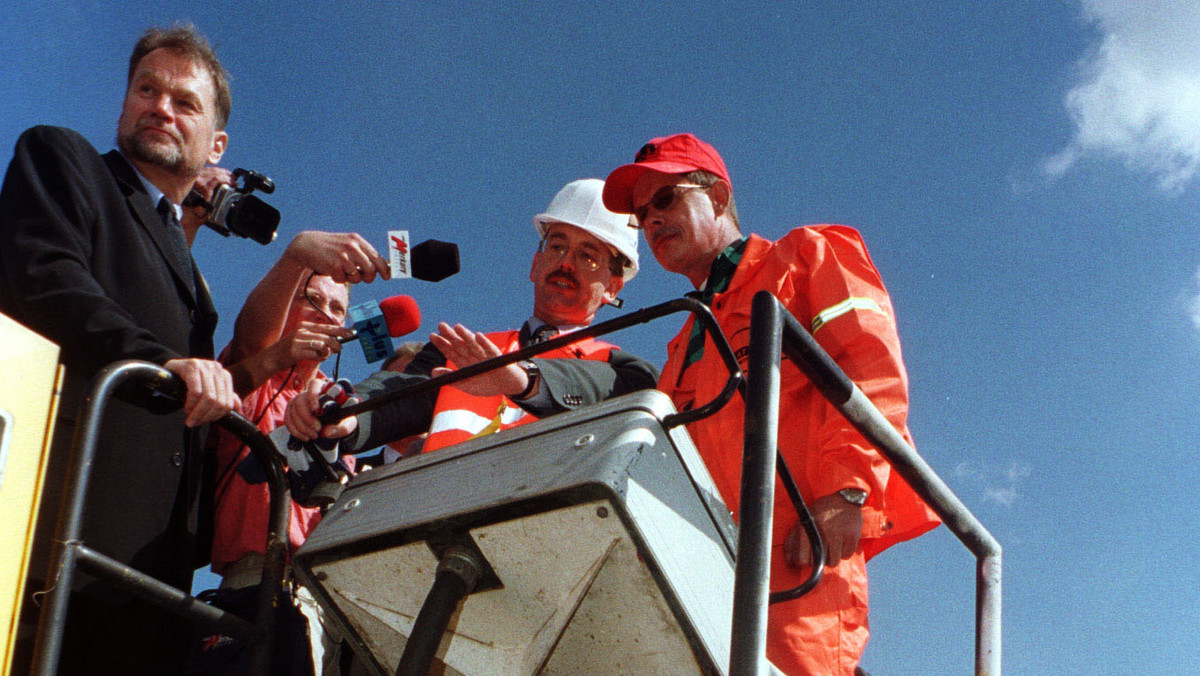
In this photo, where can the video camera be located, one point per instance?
(234, 210)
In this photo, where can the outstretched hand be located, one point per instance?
(466, 348)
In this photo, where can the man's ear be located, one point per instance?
(719, 193)
(533, 266)
(615, 284)
(220, 140)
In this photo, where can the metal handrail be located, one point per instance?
(772, 325)
(701, 312)
(69, 552)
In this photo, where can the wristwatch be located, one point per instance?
(533, 373)
(855, 496)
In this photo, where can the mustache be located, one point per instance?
(659, 233)
(151, 124)
(562, 274)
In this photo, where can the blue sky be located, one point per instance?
(1024, 174)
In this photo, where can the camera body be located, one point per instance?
(233, 210)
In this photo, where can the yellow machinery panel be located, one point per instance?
(30, 378)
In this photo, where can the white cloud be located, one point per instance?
(1193, 302)
(1138, 92)
(964, 470)
(999, 486)
(1000, 496)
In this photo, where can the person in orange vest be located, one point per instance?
(586, 255)
(680, 195)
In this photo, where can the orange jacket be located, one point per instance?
(824, 276)
(458, 416)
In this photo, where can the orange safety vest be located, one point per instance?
(458, 416)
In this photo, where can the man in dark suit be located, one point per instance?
(587, 253)
(93, 256)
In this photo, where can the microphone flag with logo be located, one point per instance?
(429, 261)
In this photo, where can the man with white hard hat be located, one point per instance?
(586, 255)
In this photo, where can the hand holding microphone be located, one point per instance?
(302, 418)
(344, 256)
(315, 470)
(312, 341)
(298, 451)
(349, 257)
(336, 395)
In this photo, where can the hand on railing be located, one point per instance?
(149, 385)
(210, 394)
(840, 525)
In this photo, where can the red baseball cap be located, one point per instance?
(676, 154)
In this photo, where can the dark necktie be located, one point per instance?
(718, 282)
(177, 238)
(542, 334)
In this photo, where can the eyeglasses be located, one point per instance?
(662, 200)
(321, 303)
(556, 249)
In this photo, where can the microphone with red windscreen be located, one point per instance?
(401, 314)
(375, 324)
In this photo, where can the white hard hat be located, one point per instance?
(581, 204)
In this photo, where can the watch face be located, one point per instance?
(532, 373)
(855, 496)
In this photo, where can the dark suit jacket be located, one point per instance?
(85, 261)
(571, 383)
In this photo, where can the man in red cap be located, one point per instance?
(679, 193)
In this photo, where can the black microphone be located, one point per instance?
(433, 261)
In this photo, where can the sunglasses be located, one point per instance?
(662, 200)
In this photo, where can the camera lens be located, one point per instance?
(252, 218)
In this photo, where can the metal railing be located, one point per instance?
(70, 552)
(699, 310)
(773, 330)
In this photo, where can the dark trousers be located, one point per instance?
(101, 639)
